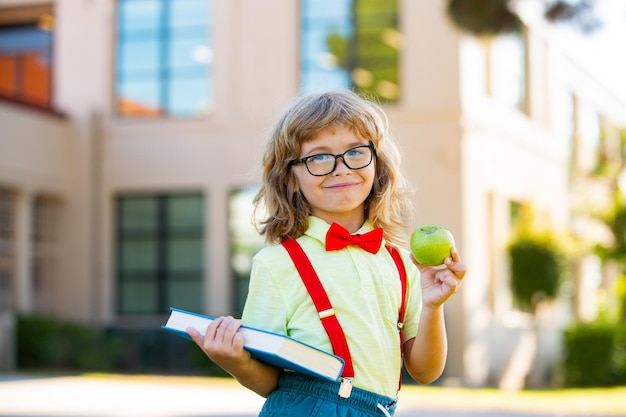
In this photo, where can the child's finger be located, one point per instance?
(230, 328)
(195, 335)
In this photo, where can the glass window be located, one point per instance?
(26, 64)
(589, 130)
(353, 44)
(589, 126)
(564, 103)
(7, 248)
(508, 71)
(164, 58)
(45, 235)
(160, 253)
(245, 242)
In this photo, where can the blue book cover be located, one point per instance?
(273, 348)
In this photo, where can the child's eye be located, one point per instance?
(356, 152)
(321, 158)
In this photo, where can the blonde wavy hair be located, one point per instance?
(388, 204)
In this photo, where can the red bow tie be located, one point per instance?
(338, 238)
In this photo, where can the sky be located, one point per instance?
(604, 51)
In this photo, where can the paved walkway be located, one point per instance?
(75, 396)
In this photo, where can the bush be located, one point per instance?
(536, 269)
(48, 343)
(595, 354)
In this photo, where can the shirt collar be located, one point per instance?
(318, 228)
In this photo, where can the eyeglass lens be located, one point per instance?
(325, 163)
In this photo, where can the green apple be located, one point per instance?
(431, 244)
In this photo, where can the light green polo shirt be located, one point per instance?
(364, 290)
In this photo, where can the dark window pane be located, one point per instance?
(138, 213)
(160, 253)
(185, 212)
(138, 297)
(185, 292)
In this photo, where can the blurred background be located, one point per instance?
(130, 142)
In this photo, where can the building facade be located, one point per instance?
(131, 135)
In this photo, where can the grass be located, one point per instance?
(558, 402)
(591, 401)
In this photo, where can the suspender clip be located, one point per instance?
(345, 389)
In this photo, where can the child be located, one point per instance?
(331, 161)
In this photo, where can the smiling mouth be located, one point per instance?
(342, 185)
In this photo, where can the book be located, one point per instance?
(276, 349)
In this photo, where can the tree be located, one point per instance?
(536, 263)
(615, 220)
(493, 17)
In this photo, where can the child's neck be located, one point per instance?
(351, 223)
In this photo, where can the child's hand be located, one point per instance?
(222, 343)
(439, 283)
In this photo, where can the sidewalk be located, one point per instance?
(145, 396)
(112, 397)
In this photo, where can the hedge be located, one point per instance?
(48, 343)
(595, 354)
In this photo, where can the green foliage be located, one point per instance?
(615, 219)
(595, 354)
(620, 293)
(536, 270)
(493, 17)
(483, 17)
(47, 343)
(580, 13)
(537, 261)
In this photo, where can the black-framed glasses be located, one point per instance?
(325, 163)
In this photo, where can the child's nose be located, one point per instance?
(340, 166)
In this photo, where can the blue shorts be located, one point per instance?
(301, 395)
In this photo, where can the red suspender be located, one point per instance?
(324, 307)
(322, 304)
(398, 260)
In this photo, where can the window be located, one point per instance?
(26, 63)
(7, 248)
(160, 253)
(164, 58)
(45, 230)
(564, 112)
(353, 44)
(589, 130)
(245, 242)
(508, 71)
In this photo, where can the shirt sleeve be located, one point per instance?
(265, 304)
